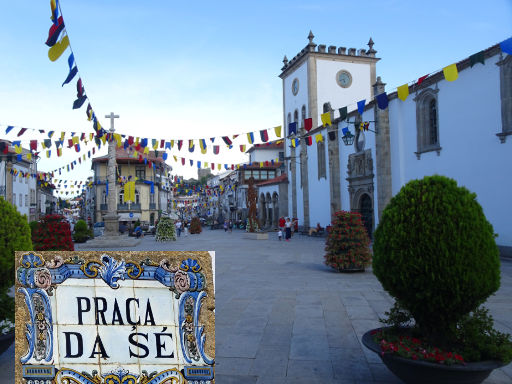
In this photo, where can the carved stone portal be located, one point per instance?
(360, 186)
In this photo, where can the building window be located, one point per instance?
(121, 196)
(137, 197)
(271, 174)
(26, 180)
(21, 200)
(506, 97)
(140, 172)
(303, 113)
(427, 122)
(296, 116)
(152, 198)
(14, 178)
(26, 200)
(32, 196)
(320, 148)
(104, 197)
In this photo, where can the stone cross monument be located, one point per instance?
(111, 219)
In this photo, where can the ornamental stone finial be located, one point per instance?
(311, 37)
(285, 61)
(371, 51)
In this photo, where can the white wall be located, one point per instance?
(258, 155)
(328, 89)
(469, 118)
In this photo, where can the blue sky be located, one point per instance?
(202, 69)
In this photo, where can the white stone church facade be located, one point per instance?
(461, 129)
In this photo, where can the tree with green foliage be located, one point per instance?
(14, 236)
(434, 251)
(165, 229)
(81, 233)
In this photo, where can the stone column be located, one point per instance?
(382, 151)
(111, 219)
(304, 177)
(333, 150)
(293, 163)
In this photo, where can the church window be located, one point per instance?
(427, 122)
(303, 112)
(296, 116)
(320, 146)
(506, 97)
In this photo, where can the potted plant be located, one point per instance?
(53, 234)
(434, 252)
(14, 236)
(81, 233)
(195, 225)
(165, 229)
(347, 244)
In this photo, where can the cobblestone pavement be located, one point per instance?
(284, 317)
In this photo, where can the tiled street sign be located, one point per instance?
(115, 318)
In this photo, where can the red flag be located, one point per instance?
(162, 143)
(22, 131)
(70, 143)
(130, 140)
(309, 140)
(227, 140)
(266, 163)
(213, 166)
(33, 145)
(182, 161)
(264, 135)
(215, 149)
(308, 124)
(93, 151)
(232, 166)
(420, 80)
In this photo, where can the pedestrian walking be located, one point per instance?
(225, 226)
(178, 227)
(230, 226)
(288, 227)
(282, 223)
(280, 234)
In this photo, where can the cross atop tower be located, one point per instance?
(112, 117)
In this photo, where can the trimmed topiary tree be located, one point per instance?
(347, 244)
(165, 230)
(434, 251)
(53, 234)
(81, 233)
(195, 225)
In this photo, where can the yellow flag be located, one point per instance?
(42, 144)
(218, 166)
(278, 131)
(326, 118)
(261, 164)
(403, 92)
(104, 139)
(75, 139)
(175, 158)
(135, 155)
(319, 137)
(59, 152)
(293, 143)
(29, 156)
(59, 48)
(450, 72)
(206, 164)
(118, 139)
(62, 134)
(146, 150)
(136, 141)
(172, 143)
(91, 136)
(155, 145)
(18, 149)
(48, 154)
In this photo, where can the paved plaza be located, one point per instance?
(282, 316)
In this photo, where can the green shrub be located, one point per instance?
(14, 236)
(33, 226)
(347, 244)
(434, 251)
(165, 229)
(81, 233)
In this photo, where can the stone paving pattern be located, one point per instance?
(282, 316)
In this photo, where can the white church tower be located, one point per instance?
(316, 78)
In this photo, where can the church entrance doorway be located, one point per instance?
(366, 211)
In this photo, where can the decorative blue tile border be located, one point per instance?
(39, 278)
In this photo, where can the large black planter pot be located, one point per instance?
(424, 372)
(6, 341)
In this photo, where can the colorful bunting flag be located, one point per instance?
(242, 148)
(326, 118)
(292, 128)
(506, 46)
(403, 92)
(250, 137)
(319, 137)
(264, 135)
(343, 113)
(382, 100)
(450, 72)
(277, 130)
(58, 49)
(308, 124)
(360, 106)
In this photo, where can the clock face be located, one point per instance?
(344, 79)
(295, 86)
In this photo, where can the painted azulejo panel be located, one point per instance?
(115, 318)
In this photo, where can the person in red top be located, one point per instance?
(281, 223)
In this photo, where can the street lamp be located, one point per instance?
(348, 138)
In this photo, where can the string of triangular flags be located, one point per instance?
(450, 73)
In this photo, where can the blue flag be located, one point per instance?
(382, 100)
(360, 106)
(506, 46)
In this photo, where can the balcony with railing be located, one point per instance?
(152, 205)
(123, 207)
